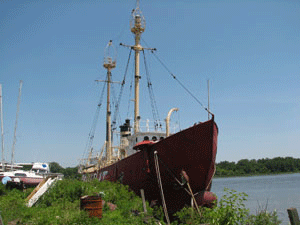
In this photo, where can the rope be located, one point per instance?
(181, 84)
(193, 197)
(113, 98)
(173, 175)
(190, 192)
(129, 99)
(160, 186)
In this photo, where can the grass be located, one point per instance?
(61, 205)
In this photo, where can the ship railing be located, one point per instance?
(157, 126)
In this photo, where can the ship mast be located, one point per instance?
(109, 63)
(137, 26)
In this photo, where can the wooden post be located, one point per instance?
(294, 217)
(144, 201)
(1, 222)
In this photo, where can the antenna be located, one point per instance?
(208, 99)
(16, 124)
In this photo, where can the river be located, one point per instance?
(278, 192)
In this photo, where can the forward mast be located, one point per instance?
(137, 26)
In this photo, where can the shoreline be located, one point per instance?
(253, 175)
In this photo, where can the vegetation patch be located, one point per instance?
(231, 210)
(61, 205)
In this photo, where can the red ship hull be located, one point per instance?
(192, 150)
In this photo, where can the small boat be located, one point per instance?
(29, 178)
(173, 169)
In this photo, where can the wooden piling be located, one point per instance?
(144, 201)
(293, 215)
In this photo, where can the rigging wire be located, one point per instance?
(117, 106)
(124, 27)
(114, 99)
(180, 83)
(151, 94)
(129, 98)
(91, 136)
(113, 105)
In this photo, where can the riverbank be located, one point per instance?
(61, 205)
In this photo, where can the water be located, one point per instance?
(278, 192)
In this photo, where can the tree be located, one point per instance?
(56, 168)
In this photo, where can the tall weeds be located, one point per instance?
(61, 205)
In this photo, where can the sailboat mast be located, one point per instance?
(109, 63)
(2, 132)
(137, 25)
(16, 124)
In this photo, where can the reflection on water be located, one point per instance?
(278, 192)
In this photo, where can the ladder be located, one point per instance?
(43, 186)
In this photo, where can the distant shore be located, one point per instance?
(253, 175)
(260, 167)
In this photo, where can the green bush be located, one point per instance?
(264, 217)
(2, 189)
(231, 210)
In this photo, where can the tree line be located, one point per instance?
(69, 172)
(246, 167)
(243, 167)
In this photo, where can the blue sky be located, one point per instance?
(249, 50)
